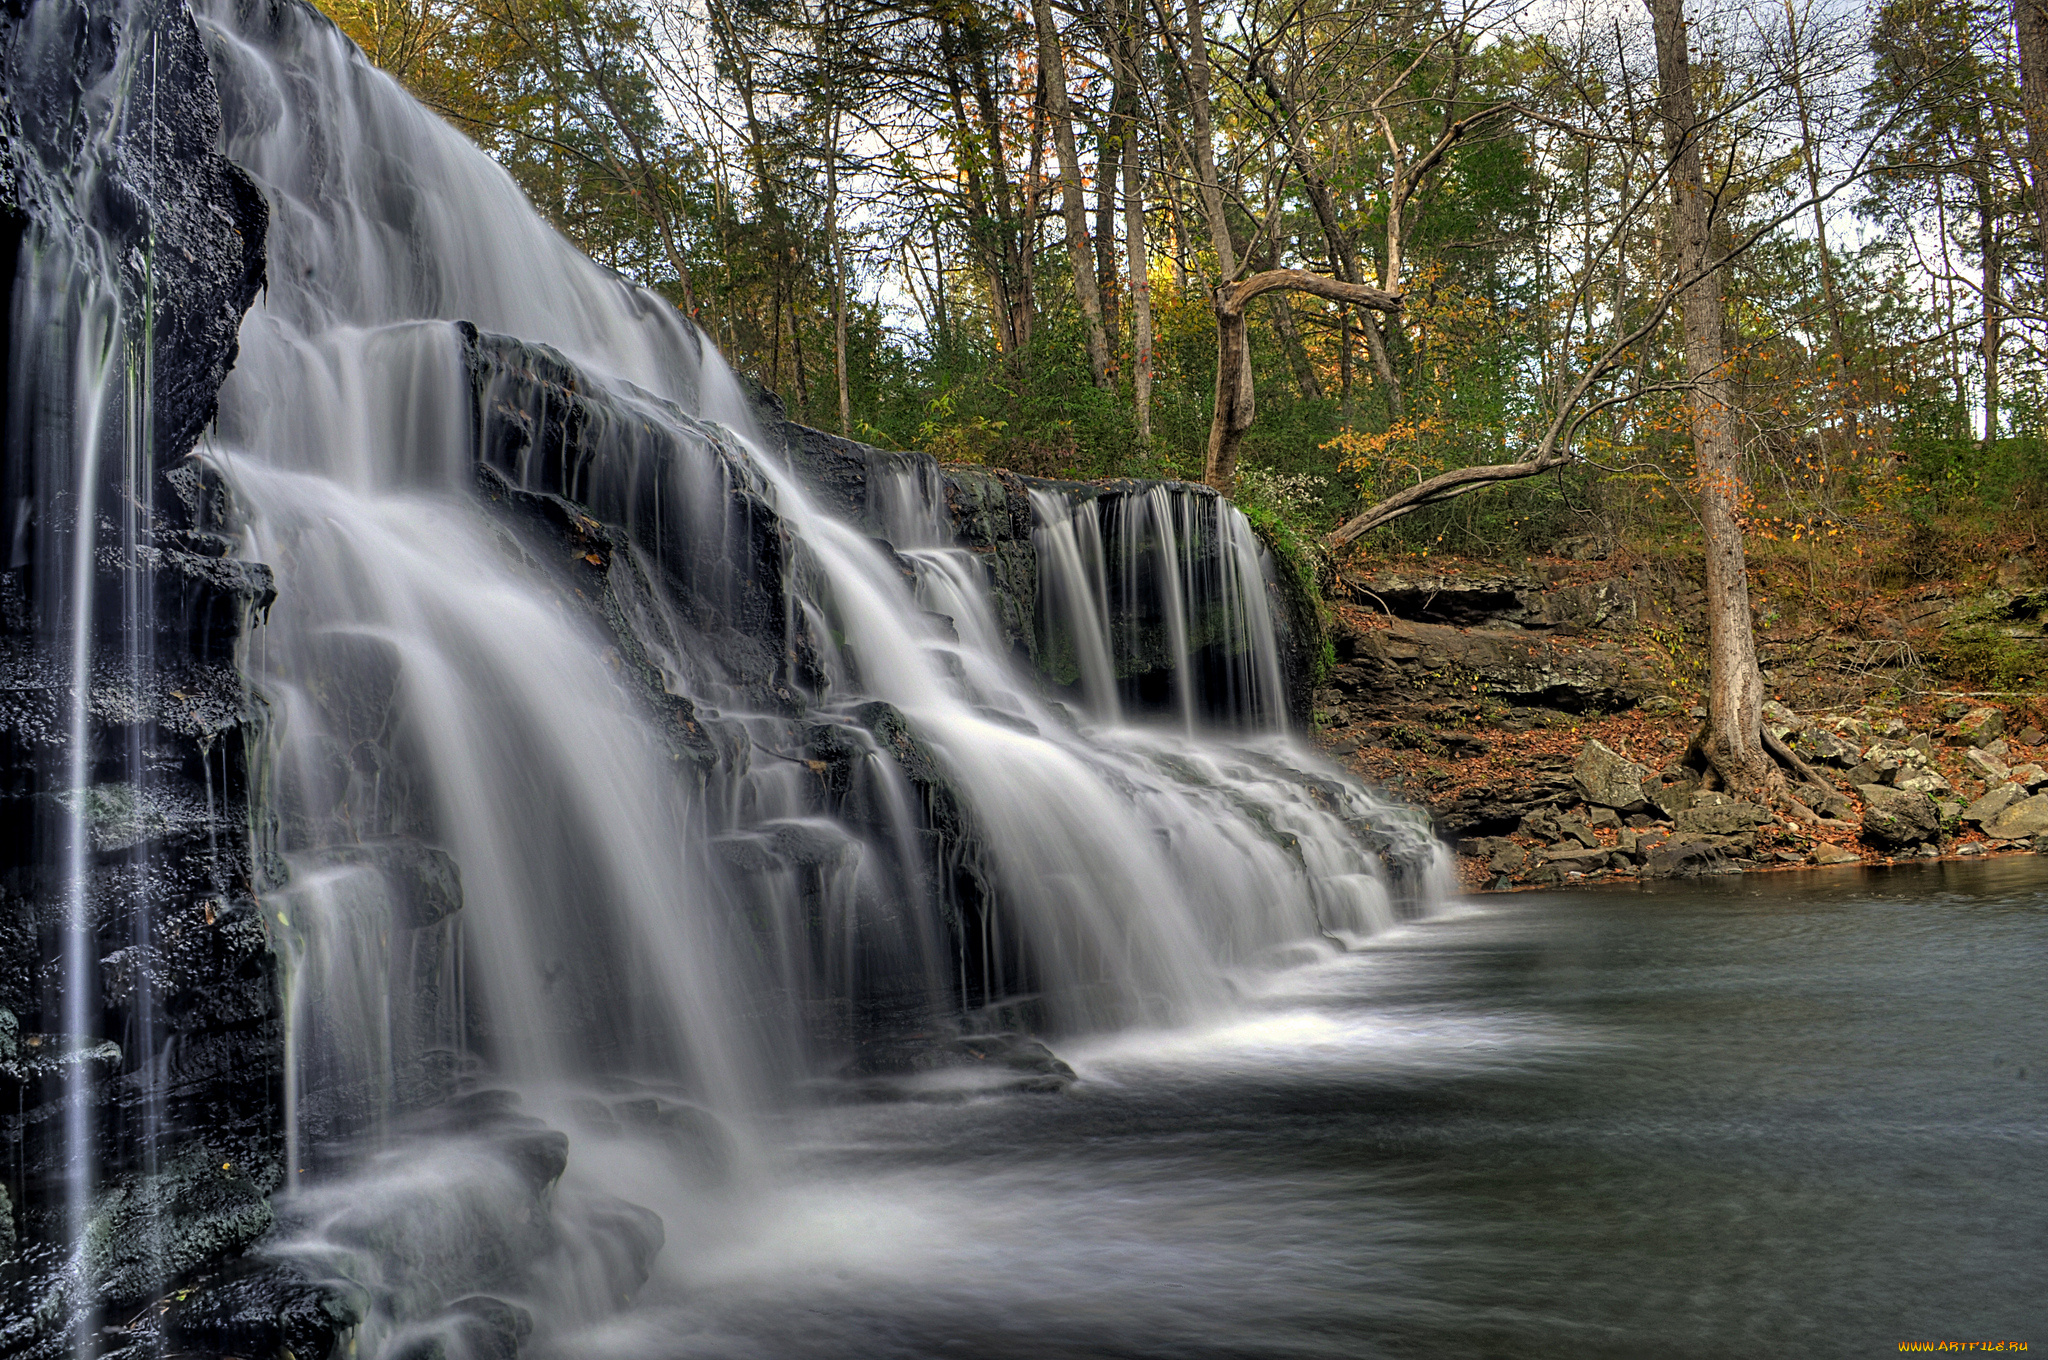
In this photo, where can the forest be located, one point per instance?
(1762, 273)
(997, 233)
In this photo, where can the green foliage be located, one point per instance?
(1984, 656)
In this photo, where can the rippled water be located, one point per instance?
(1798, 1114)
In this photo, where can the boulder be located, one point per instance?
(1978, 727)
(1714, 814)
(1987, 766)
(1893, 817)
(1853, 729)
(1572, 829)
(1829, 853)
(2029, 776)
(2020, 820)
(1921, 781)
(1820, 746)
(1610, 780)
(1779, 720)
(1685, 859)
(1675, 796)
(2031, 736)
(1997, 800)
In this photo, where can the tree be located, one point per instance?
(1732, 741)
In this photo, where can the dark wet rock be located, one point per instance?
(268, 1310)
(1893, 819)
(1686, 858)
(944, 1068)
(425, 883)
(694, 1137)
(1521, 600)
(157, 1227)
(1581, 858)
(186, 980)
(1507, 803)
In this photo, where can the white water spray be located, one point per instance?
(644, 934)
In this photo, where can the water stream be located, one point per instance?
(679, 862)
(663, 839)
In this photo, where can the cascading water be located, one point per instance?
(611, 758)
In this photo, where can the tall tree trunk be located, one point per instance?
(2030, 25)
(1991, 264)
(1809, 154)
(986, 233)
(1109, 156)
(1052, 69)
(838, 277)
(1127, 44)
(1207, 186)
(1732, 743)
(1233, 408)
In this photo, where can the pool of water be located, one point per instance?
(1796, 1114)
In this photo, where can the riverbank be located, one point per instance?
(1542, 714)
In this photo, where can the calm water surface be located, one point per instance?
(1800, 1114)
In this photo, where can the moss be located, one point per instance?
(1301, 569)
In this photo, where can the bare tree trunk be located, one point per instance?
(1113, 132)
(1207, 186)
(1052, 68)
(1343, 254)
(2030, 24)
(985, 233)
(1282, 313)
(1732, 743)
(1127, 43)
(1991, 262)
(838, 277)
(1233, 411)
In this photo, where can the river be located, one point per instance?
(1797, 1114)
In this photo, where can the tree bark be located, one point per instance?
(1208, 187)
(838, 278)
(985, 231)
(1991, 264)
(2030, 25)
(1732, 743)
(1052, 68)
(1234, 407)
(1126, 44)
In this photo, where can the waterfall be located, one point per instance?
(614, 763)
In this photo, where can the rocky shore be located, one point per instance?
(1543, 717)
